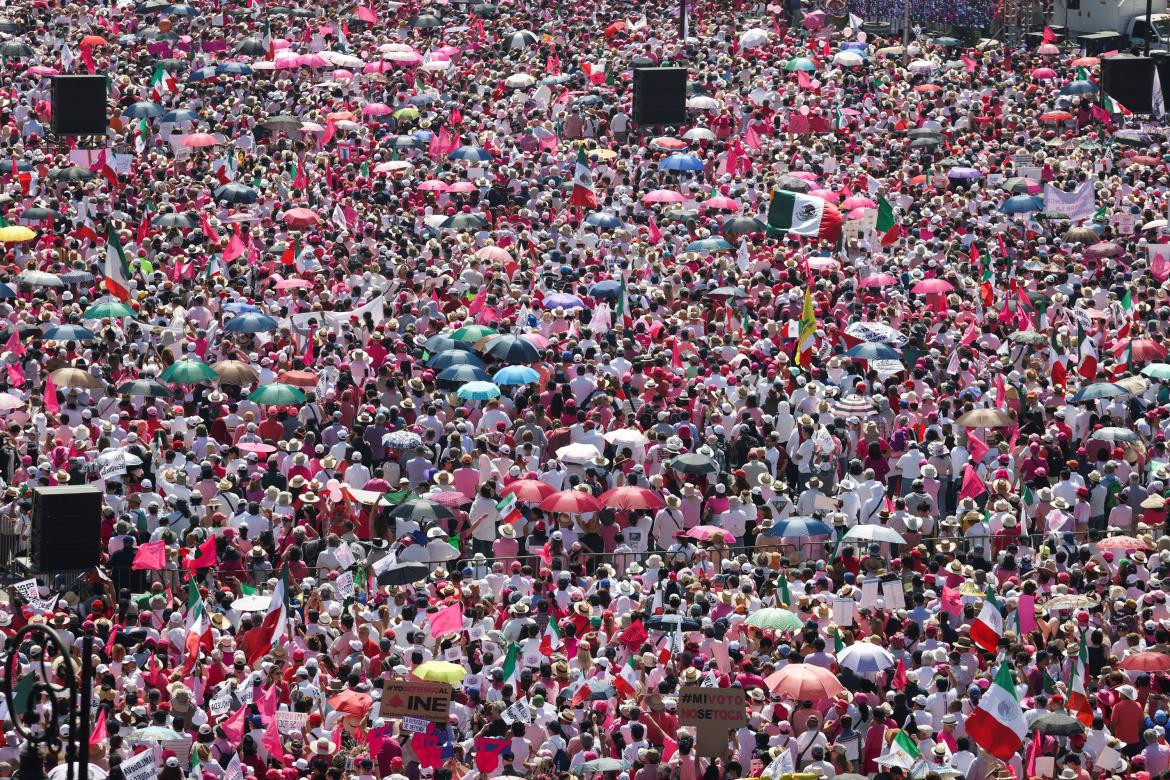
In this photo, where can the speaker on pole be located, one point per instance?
(66, 528)
(79, 105)
(660, 96)
(1129, 80)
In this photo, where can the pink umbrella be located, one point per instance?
(341, 74)
(494, 254)
(1044, 74)
(828, 195)
(280, 43)
(858, 202)
(879, 280)
(313, 61)
(823, 263)
(259, 447)
(719, 202)
(448, 498)
(536, 340)
(814, 20)
(376, 109)
(664, 196)
(571, 502)
(8, 402)
(462, 186)
(855, 214)
(450, 51)
(292, 284)
(806, 175)
(433, 185)
(200, 140)
(43, 70)
(301, 218)
(381, 66)
(706, 532)
(928, 286)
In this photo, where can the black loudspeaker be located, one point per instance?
(1128, 80)
(66, 528)
(1101, 42)
(79, 105)
(660, 96)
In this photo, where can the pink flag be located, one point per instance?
(802, 80)
(751, 138)
(151, 556)
(447, 620)
(367, 14)
(898, 681)
(330, 131)
(266, 704)
(972, 485)
(970, 336)
(977, 447)
(271, 742)
(15, 346)
(952, 601)
(235, 247)
(1160, 268)
(655, 233)
(1000, 392)
(99, 733)
(233, 727)
(51, 395)
(969, 63)
(15, 375)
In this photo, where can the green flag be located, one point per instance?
(838, 642)
(782, 586)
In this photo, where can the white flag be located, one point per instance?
(1157, 102)
(742, 256)
(67, 58)
(338, 218)
(855, 21)
(639, 23)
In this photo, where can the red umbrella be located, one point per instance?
(92, 40)
(1055, 116)
(1122, 543)
(614, 29)
(531, 490)
(719, 202)
(1146, 662)
(301, 217)
(629, 498)
(804, 682)
(1144, 350)
(448, 498)
(571, 502)
(932, 286)
(298, 378)
(352, 703)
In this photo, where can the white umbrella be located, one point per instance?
(578, 453)
(699, 134)
(865, 658)
(342, 60)
(628, 436)
(703, 103)
(922, 66)
(849, 59)
(753, 38)
(876, 331)
(253, 603)
(519, 81)
(107, 456)
(393, 165)
(875, 533)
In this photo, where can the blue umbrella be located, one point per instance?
(180, 115)
(441, 342)
(681, 162)
(180, 9)
(470, 154)
(607, 290)
(511, 349)
(799, 526)
(478, 391)
(234, 69)
(516, 375)
(143, 109)
(239, 307)
(401, 440)
(964, 173)
(70, 333)
(873, 351)
(563, 300)
(947, 41)
(1078, 88)
(453, 357)
(1098, 390)
(603, 219)
(202, 74)
(251, 322)
(855, 46)
(423, 137)
(6, 291)
(454, 376)
(713, 244)
(1021, 204)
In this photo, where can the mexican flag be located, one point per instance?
(583, 192)
(117, 270)
(512, 665)
(291, 253)
(808, 331)
(626, 680)
(903, 752)
(162, 83)
(267, 40)
(550, 642)
(804, 215)
(275, 625)
(623, 306)
(840, 121)
(888, 229)
(1112, 106)
(509, 512)
(1078, 695)
(988, 627)
(197, 626)
(997, 725)
(1087, 354)
(1127, 309)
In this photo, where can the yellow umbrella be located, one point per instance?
(14, 234)
(440, 671)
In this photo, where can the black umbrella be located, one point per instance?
(173, 65)
(145, 388)
(512, 350)
(16, 49)
(793, 184)
(742, 226)
(421, 511)
(521, 39)
(672, 623)
(174, 219)
(485, 9)
(403, 573)
(642, 61)
(440, 343)
(426, 21)
(1057, 724)
(72, 173)
(37, 213)
(465, 221)
(236, 193)
(252, 46)
(693, 463)
(281, 122)
(10, 27)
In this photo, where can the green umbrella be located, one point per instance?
(473, 333)
(109, 309)
(800, 63)
(406, 113)
(775, 619)
(1157, 371)
(188, 372)
(277, 394)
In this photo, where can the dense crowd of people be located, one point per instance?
(821, 436)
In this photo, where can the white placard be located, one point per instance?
(415, 725)
(114, 465)
(894, 595)
(344, 585)
(871, 591)
(344, 556)
(234, 769)
(517, 712)
(245, 693)
(452, 654)
(27, 589)
(140, 767)
(220, 703)
(843, 611)
(475, 632)
(290, 722)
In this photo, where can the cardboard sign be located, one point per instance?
(181, 748)
(344, 585)
(416, 698)
(219, 704)
(140, 767)
(518, 711)
(27, 589)
(290, 722)
(698, 706)
(894, 595)
(415, 725)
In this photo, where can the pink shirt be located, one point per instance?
(466, 481)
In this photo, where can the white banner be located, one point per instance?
(140, 767)
(27, 589)
(113, 465)
(219, 704)
(517, 712)
(415, 725)
(290, 722)
(1078, 204)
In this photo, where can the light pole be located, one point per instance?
(78, 694)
